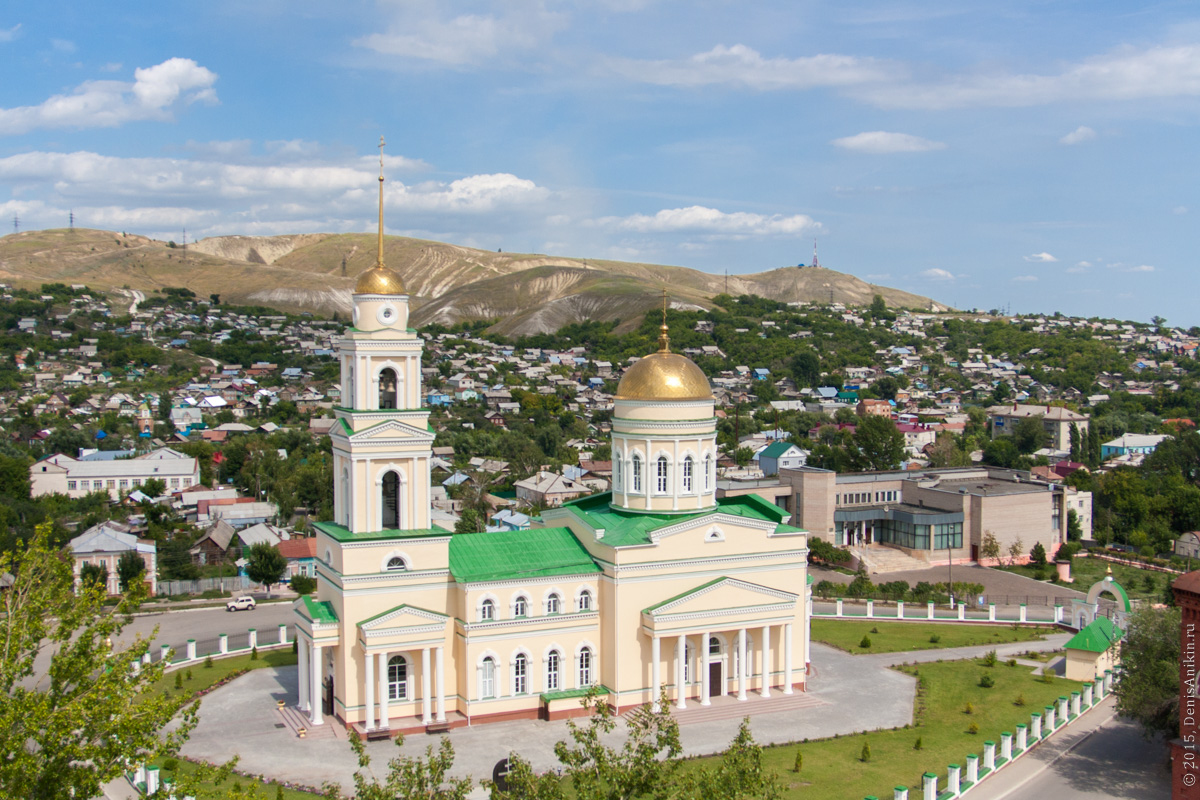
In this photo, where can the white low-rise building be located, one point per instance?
(62, 474)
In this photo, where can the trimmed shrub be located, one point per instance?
(178, 680)
(254, 654)
(865, 756)
(918, 744)
(1020, 701)
(986, 681)
(208, 662)
(799, 762)
(866, 642)
(970, 709)
(935, 638)
(973, 729)
(990, 659)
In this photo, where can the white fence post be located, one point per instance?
(991, 612)
(989, 756)
(1035, 726)
(870, 608)
(952, 780)
(191, 650)
(1022, 738)
(972, 769)
(900, 610)
(1006, 746)
(151, 781)
(929, 786)
(839, 607)
(962, 610)
(164, 652)
(222, 643)
(283, 634)
(1022, 617)
(929, 610)
(253, 640)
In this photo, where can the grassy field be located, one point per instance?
(1139, 584)
(832, 767)
(894, 637)
(207, 790)
(203, 677)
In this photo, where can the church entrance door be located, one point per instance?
(715, 686)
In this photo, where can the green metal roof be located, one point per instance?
(343, 534)
(776, 449)
(1097, 637)
(401, 607)
(505, 555)
(567, 694)
(628, 528)
(319, 611)
(681, 595)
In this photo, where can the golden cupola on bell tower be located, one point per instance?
(664, 435)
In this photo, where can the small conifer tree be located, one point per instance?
(799, 762)
(866, 642)
(866, 753)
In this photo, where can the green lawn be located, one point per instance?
(832, 768)
(893, 637)
(1086, 571)
(205, 677)
(207, 790)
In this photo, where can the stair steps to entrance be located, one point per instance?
(295, 719)
(728, 706)
(881, 559)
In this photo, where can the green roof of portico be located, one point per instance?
(630, 528)
(1099, 635)
(507, 555)
(320, 611)
(344, 534)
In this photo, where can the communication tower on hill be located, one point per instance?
(71, 220)
(16, 223)
(816, 262)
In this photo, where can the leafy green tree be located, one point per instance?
(1037, 555)
(155, 487)
(407, 778)
(806, 368)
(1147, 685)
(73, 713)
(877, 445)
(469, 522)
(1029, 434)
(739, 775)
(304, 584)
(878, 308)
(990, 546)
(1074, 528)
(93, 576)
(265, 564)
(130, 569)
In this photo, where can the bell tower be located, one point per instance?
(382, 442)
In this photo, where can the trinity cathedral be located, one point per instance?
(657, 586)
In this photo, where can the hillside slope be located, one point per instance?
(527, 293)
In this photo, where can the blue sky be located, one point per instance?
(1041, 155)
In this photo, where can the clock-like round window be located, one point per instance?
(387, 314)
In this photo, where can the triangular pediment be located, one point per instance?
(710, 527)
(722, 594)
(391, 430)
(403, 616)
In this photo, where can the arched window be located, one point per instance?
(387, 388)
(553, 604)
(585, 667)
(397, 678)
(708, 473)
(553, 668)
(617, 473)
(714, 646)
(487, 610)
(520, 607)
(487, 678)
(520, 678)
(637, 473)
(687, 475)
(391, 501)
(584, 602)
(661, 475)
(396, 564)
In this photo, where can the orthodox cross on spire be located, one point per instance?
(664, 342)
(379, 262)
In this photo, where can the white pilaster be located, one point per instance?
(302, 676)
(383, 691)
(742, 668)
(426, 710)
(680, 658)
(655, 675)
(440, 677)
(787, 658)
(705, 686)
(315, 678)
(766, 660)
(370, 687)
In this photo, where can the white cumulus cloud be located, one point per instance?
(712, 221)
(1041, 258)
(881, 142)
(106, 104)
(1125, 74)
(1081, 134)
(467, 39)
(936, 274)
(1024, 278)
(739, 65)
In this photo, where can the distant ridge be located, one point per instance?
(526, 293)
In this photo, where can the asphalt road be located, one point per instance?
(1113, 760)
(204, 625)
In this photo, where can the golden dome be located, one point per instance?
(379, 280)
(664, 376)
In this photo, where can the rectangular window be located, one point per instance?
(174, 483)
(487, 679)
(124, 483)
(110, 484)
(72, 485)
(520, 681)
(662, 475)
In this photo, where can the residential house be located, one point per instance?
(104, 544)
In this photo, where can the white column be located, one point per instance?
(808, 632)
(787, 658)
(370, 687)
(426, 713)
(440, 678)
(383, 691)
(705, 686)
(655, 676)
(680, 657)
(742, 671)
(302, 673)
(766, 660)
(315, 673)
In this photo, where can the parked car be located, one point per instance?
(243, 603)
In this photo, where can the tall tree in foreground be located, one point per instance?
(407, 778)
(1147, 686)
(73, 714)
(265, 564)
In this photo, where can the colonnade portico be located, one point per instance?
(727, 653)
(377, 686)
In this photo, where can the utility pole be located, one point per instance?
(184, 256)
(16, 223)
(71, 218)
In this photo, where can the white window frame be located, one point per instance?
(584, 667)
(688, 475)
(553, 671)
(520, 679)
(487, 678)
(397, 689)
(553, 603)
(584, 595)
(487, 610)
(637, 473)
(662, 475)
